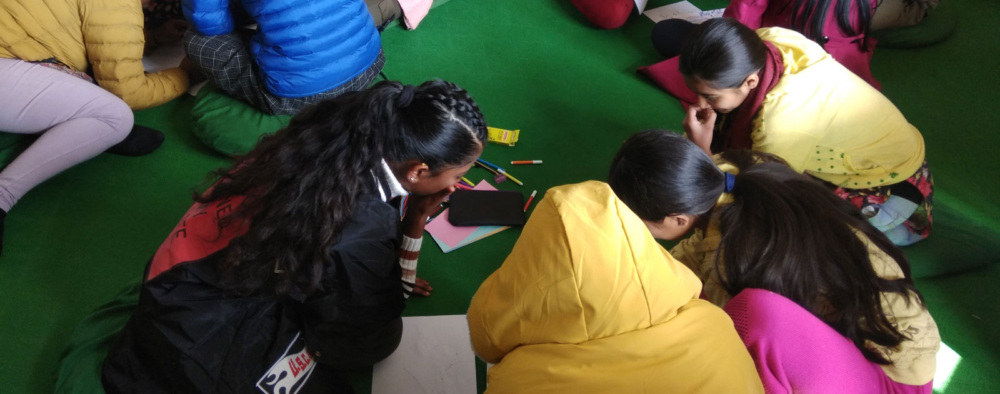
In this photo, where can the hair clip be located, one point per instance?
(730, 182)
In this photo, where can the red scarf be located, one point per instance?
(735, 128)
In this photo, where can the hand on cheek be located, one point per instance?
(699, 125)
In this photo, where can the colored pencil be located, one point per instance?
(491, 165)
(516, 162)
(511, 177)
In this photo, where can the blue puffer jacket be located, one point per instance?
(303, 47)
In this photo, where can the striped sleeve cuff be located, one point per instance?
(408, 253)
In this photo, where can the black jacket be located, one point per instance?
(188, 336)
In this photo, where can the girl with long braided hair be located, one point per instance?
(288, 268)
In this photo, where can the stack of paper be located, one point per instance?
(450, 237)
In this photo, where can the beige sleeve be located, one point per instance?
(914, 360)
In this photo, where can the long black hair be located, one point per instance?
(638, 169)
(301, 184)
(722, 52)
(790, 234)
(784, 232)
(809, 18)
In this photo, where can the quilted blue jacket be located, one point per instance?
(302, 47)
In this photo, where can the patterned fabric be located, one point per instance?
(57, 65)
(301, 47)
(874, 201)
(408, 253)
(226, 61)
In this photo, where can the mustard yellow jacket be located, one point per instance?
(827, 122)
(104, 36)
(589, 302)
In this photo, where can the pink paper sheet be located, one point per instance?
(442, 230)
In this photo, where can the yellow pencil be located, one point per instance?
(468, 181)
(511, 178)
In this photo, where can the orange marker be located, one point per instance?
(526, 162)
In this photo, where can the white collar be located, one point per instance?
(395, 188)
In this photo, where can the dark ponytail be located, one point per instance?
(722, 52)
(788, 233)
(657, 173)
(301, 184)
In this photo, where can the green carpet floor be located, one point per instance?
(535, 65)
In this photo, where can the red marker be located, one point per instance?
(515, 162)
(531, 197)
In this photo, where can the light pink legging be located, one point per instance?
(795, 352)
(77, 121)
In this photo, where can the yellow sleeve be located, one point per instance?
(691, 252)
(113, 36)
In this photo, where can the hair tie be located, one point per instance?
(405, 96)
(730, 182)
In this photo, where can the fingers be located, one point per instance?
(692, 114)
(422, 287)
(707, 115)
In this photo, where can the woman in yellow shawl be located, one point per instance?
(589, 302)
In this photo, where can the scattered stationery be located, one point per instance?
(434, 356)
(682, 10)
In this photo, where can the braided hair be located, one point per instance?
(300, 185)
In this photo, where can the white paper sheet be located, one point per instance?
(168, 56)
(434, 356)
(682, 10)
(164, 57)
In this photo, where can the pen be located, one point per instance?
(437, 212)
(516, 162)
(531, 197)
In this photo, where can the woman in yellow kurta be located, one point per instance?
(781, 93)
(822, 299)
(589, 302)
